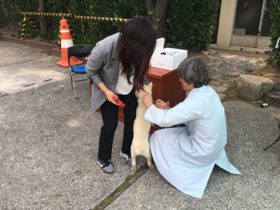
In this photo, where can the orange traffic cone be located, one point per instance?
(66, 41)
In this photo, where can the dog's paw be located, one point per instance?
(151, 166)
(133, 168)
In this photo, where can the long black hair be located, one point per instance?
(135, 47)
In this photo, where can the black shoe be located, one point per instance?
(106, 166)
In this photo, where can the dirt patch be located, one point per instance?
(269, 72)
(198, 54)
(8, 31)
(241, 53)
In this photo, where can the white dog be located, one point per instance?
(141, 128)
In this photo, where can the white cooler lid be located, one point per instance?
(160, 44)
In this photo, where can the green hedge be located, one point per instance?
(189, 23)
(275, 34)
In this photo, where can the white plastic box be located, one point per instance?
(172, 58)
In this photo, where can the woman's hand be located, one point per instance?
(162, 105)
(110, 95)
(147, 100)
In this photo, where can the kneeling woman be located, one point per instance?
(186, 156)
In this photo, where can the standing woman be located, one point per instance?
(117, 67)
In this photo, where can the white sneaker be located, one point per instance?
(127, 158)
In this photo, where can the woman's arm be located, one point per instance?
(94, 64)
(189, 109)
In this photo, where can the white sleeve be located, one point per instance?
(190, 109)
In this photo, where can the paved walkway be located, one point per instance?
(240, 53)
(49, 141)
(226, 67)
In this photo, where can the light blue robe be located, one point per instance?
(185, 156)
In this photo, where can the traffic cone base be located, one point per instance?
(64, 59)
(75, 61)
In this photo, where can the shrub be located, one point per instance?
(189, 23)
(275, 34)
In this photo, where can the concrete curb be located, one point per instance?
(52, 48)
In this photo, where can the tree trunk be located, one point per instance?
(156, 12)
(43, 20)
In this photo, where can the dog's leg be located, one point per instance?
(149, 157)
(133, 158)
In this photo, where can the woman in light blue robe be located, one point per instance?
(185, 156)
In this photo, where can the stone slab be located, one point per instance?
(11, 53)
(31, 74)
(48, 150)
(250, 129)
(252, 87)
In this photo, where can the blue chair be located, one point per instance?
(81, 50)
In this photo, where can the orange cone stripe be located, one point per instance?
(64, 25)
(66, 35)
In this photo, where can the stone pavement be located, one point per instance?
(250, 129)
(225, 68)
(49, 141)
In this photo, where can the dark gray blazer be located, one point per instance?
(103, 66)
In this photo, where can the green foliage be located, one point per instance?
(18, 34)
(13, 35)
(151, 11)
(90, 31)
(111, 199)
(10, 10)
(122, 187)
(47, 36)
(87, 40)
(85, 29)
(156, 19)
(275, 34)
(190, 22)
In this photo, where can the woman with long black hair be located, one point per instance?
(117, 67)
